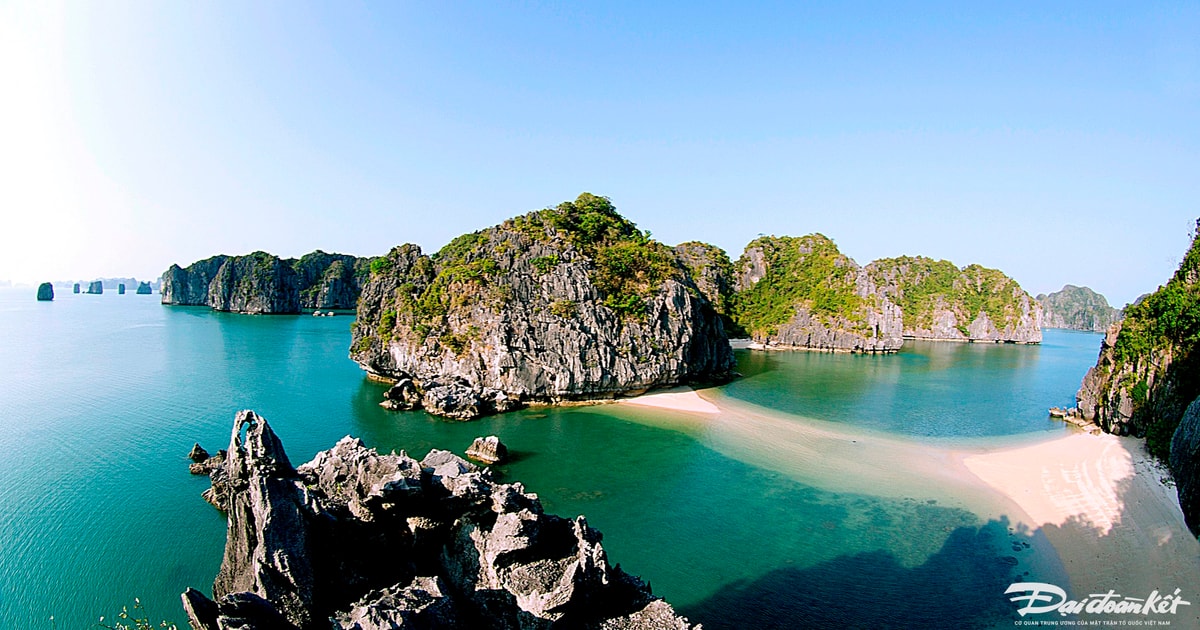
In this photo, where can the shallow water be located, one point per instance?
(102, 397)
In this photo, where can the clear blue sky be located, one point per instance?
(1057, 142)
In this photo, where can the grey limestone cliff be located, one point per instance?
(567, 303)
(358, 540)
(261, 283)
(1185, 465)
(1077, 308)
(801, 292)
(940, 301)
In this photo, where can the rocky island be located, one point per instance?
(144, 288)
(96, 288)
(358, 540)
(568, 303)
(1077, 308)
(1147, 378)
(261, 283)
(45, 292)
(804, 293)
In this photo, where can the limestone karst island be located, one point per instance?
(599, 316)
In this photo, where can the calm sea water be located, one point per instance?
(101, 397)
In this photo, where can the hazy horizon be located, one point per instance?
(1058, 143)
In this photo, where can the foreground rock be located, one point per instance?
(260, 283)
(567, 303)
(1077, 308)
(489, 450)
(1185, 465)
(46, 292)
(368, 541)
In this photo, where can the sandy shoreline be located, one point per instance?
(1099, 500)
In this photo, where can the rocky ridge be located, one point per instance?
(1077, 308)
(567, 303)
(261, 283)
(358, 540)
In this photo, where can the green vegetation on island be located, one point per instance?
(1077, 308)
(807, 272)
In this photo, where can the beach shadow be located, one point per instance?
(960, 586)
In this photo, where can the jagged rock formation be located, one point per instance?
(567, 303)
(45, 292)
(940, 301)
(374, 541)
(96, 288)
(264, 284)
(144, 288)
(1148, 370)
(803, 293)
(489, 450)
(1077, 308)
(1185, 465)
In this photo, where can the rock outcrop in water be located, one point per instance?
(120, 289)
(75, 289)
(144, 288)
(364, 541)
(261, 283)
(567, 303)
(803, 293)
(942, 302)
(45, 292)
(96, 288)
(1077, 308)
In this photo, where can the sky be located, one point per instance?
(1058, 142)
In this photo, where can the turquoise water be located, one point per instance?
(101, 397)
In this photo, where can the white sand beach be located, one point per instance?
(1100, 500)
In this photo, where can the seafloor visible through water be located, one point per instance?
(101, 398)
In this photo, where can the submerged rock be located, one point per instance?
(489, 450)
(367, 541)
(45, 292)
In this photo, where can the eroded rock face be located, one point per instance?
(1185, 465)
(261, 283)
(384, 541)
(538, 309)
(489, 450)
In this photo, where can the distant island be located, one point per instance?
(261, 283)
(1077, 308)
